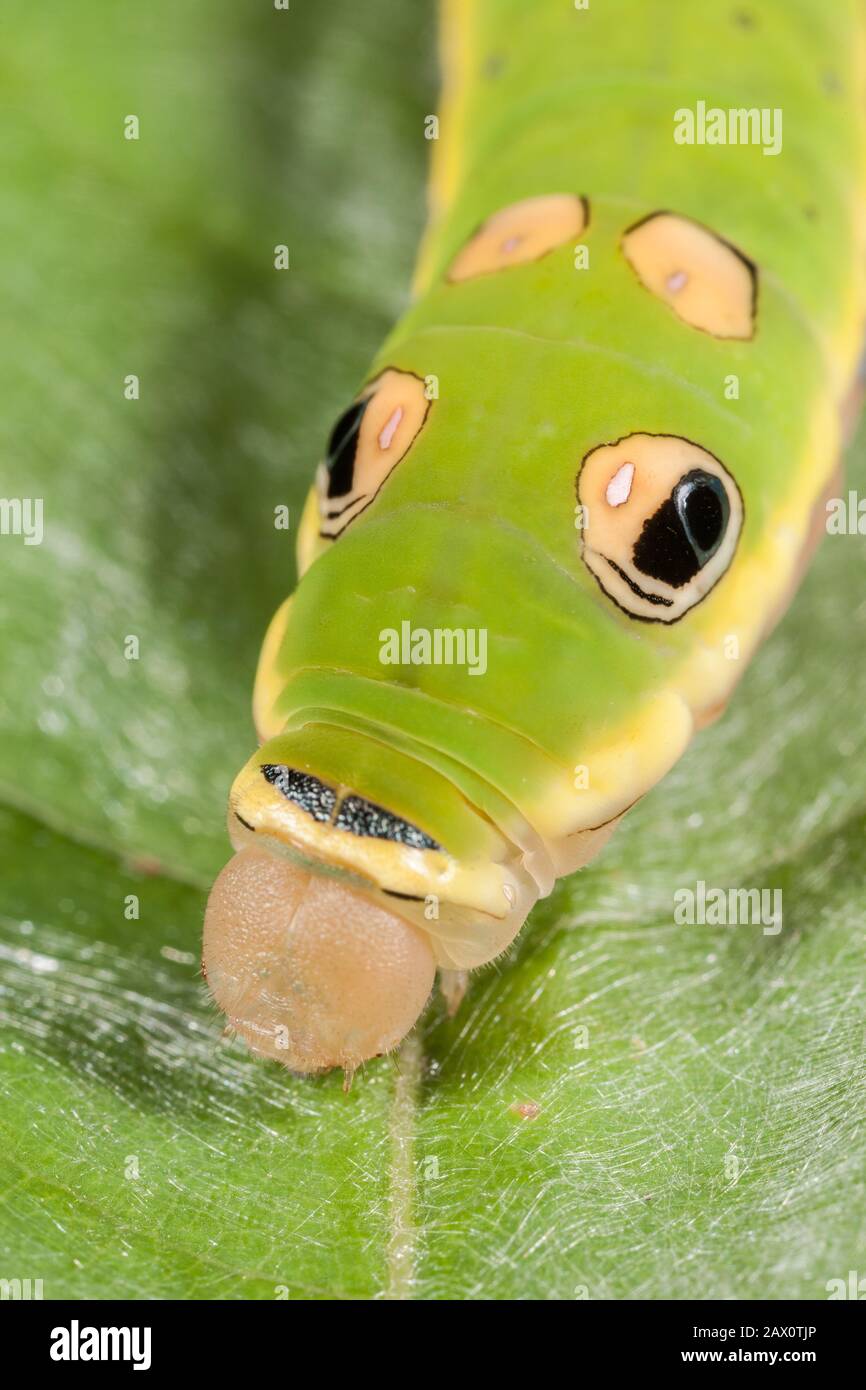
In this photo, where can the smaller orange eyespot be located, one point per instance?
(662, 521)
(706, 281)
(522, 232)
(366, 444)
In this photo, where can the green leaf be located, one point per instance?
(623, 1107)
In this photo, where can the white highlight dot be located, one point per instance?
(390, 429)
(677, 281)
(618, 489)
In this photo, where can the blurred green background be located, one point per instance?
(698, 1093)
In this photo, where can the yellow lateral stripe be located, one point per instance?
(269, 682)
(455, 47)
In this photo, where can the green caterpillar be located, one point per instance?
(578, 486)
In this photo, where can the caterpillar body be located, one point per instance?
(577, 487)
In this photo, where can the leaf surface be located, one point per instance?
(623, 1107)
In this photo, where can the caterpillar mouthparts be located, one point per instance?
(309, 970)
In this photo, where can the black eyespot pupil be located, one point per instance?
(342, 446)
(703, 504)
(686, 531)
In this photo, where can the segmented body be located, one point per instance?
(599, 310)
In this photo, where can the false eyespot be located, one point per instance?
(365, 446)
(663, 517)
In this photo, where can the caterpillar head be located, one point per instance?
(319, 942)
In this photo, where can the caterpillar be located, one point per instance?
(577, 487)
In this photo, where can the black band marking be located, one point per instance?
(365, 818)
(353, 813)
(636, 588)
(311, 795)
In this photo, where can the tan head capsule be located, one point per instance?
(308, 970)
